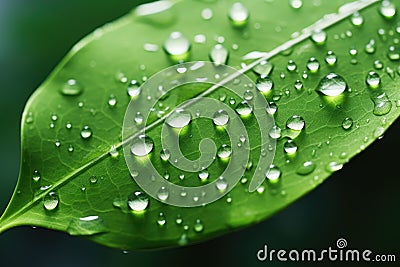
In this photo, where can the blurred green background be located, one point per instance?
(359, 203)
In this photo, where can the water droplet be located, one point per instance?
(306, 168)
(57, 143)
(112, 101)
(200, 39)
(382, 104)
(248, 95)
(142, 145)
(50, 201)
(54, 117)
(224, 152)
(165, 154)
(220, 117)
(138, 118)
(138, 201)
(356, 19)
(275, 132)
(238, 15)
(219, 54)
(263, 69)
(291, 65)
(272, 108)
(273, 174)
(178, 219)
(207, 14)
(295, 123)
(71, 88)
(347, 123)
(221, 184)
(296, 4)
(330, 58)
(387, 9)
(161, 221)
(86, 132)
(88, 225)
(68, 125)
(373, 80)
(393, 53)
(243, 108)
(334, 166)
(93, 179)
(313, 65)
(179, 118)
(370, 47)
(203, 175)
(133, 88)
(298, 85)
(113, 151)
(70, 148)
(198, 226)
(378, 65)
(36, 176)
(319, 37)
(177, 46)
(290, 147)
(264, 84)
(332, 85)
(163, 193)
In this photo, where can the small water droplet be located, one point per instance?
(373, 80)
(393, 53)
(378, 65)
(224, 152)
(319, 37)
(238, 15)
(198, 226)
(178, 219)
(220, 117)
(248, 95)
(57, 143)
(332, 85)
(330, 58)
(347, 123)
(291, 65)
(273, 174)
(70, 148)
(272, 108)
(93, 179)
(207, 14)
(71, 88)
(50, 201)
(219, 54)
(203, 175)
(370, 47)
(133, 89)
(296, 4)
(264, 84)
(36, 176)
(161, 221)
(86, 132)
(334, 166)
(264, 68)
(275, 132)
(177, 46)
(295, 123)
(298, 85)
(356, 19)
(179, 118)
(221, 184)
(290, 147)
(138, 201)
(113, 151)
(163, 193)
(142, 145)
(306, 168)
(112, 101)
(243, 108)
(165, 154)
(382, 104)
(313, 65)
(387, 9)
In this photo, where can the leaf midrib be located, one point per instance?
(321, 24)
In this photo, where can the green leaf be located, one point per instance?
(72, 180)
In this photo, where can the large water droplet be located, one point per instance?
(133, 88)
(224, 152)
(332, 85)
(272, 108)
(264, 68)
(220, 117)
(334, 166)
(203, 175)
(179, 118)
(221, 184)
(290, 147)
(306, 168)
(50, 201)
(88, 225)
(177, 46)
(71, 88)
(296, 123)
(142, 145)
(138, 201)
(219, 54)
(313, 65)
(275, 132)
(86, 132)
(264, 84)
(387, 9)
(238, 15)
(373, 80)
(319, 37)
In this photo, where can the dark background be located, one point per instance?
(359, 203)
